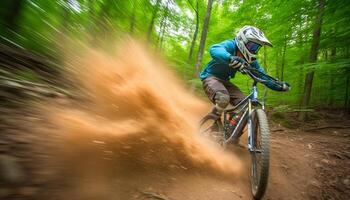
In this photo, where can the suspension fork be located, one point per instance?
(252, 102)
(250, 127)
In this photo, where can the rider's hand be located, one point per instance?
(285, 86)
(236, 62)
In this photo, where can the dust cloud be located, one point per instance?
(133, 126)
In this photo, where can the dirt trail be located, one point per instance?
(131, 134)
(304, 165)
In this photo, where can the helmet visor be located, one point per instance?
(253, 47)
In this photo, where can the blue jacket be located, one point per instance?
(219, 67)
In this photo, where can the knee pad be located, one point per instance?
(222, 100)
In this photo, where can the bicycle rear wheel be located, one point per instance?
(260, 154)
(211, 127)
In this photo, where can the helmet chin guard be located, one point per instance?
(250, 34)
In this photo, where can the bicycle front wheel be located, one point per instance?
(260, 154)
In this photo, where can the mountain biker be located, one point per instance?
(228, 57)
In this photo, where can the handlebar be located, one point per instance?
(256, 74)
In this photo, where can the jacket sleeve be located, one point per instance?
(220, 52)
(270, 83)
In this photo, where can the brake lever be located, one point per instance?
(246, 66)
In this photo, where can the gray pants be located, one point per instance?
(212, 85)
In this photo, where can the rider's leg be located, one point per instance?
(222, 99)
(235, 93)
(217, 93)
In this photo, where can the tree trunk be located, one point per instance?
(283, 57)
(331, 89)
(101, 27)
(11, 13)
(346, 101)
(333, 54)
(133, 18)
(277, 64)
(301, 46)
(331, 85)
(301, 36)
(9, 18)
(154, 16)
(312, 58)
(203, 36)
(163, 27)
(300, 83)
(92, 16)
(334, 48)
(317, 32)
(195, 33)
(160, 45)
(63, 28)
(161, 40)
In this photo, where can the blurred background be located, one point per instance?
(59, 140)
(310, 38)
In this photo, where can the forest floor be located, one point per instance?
(306, 163)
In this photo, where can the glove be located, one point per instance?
(285, 86)
(236, 62)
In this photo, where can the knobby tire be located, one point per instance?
(259, 179)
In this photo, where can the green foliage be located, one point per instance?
(39, 24)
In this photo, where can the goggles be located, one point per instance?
(253, 47)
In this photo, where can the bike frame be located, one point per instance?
(247, 106)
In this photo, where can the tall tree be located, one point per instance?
(163, 26)
(133, 18)
(194, 38)
(283, 56)
(203, 36)
(312, 57)
(154, 16)
(277, 64)
(10, 14)
(346, 99)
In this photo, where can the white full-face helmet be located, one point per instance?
(249, 40)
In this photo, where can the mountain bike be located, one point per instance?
(252, 115)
